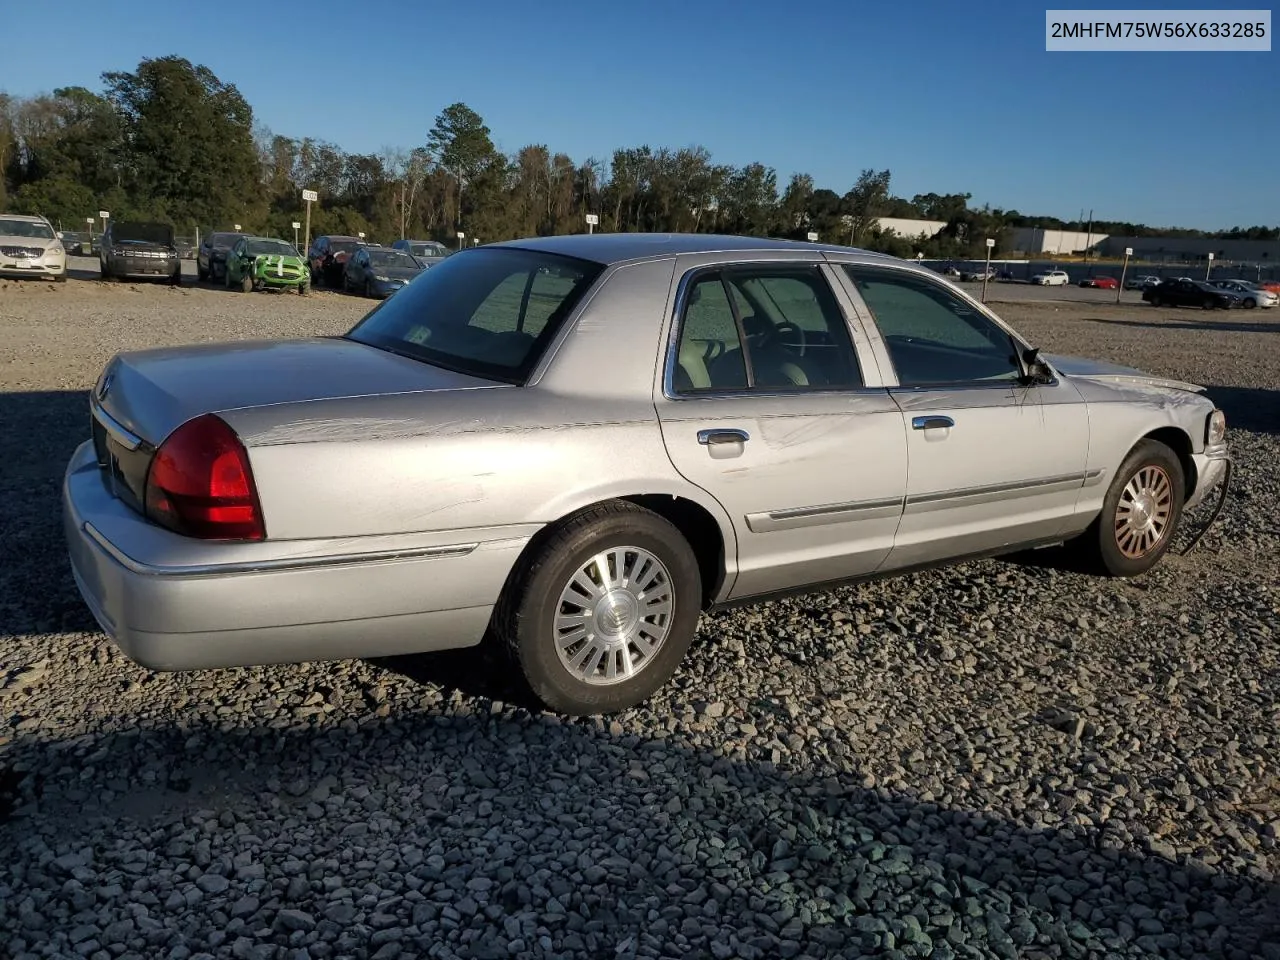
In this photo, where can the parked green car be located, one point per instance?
(261, 263)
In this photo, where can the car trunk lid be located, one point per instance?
(142, 397)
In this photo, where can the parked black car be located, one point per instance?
(1189, 293)
(211, 258)
(379, 271)
(328, 258)
(139, 250)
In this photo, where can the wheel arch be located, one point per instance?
(701, 529)
(1179, 441)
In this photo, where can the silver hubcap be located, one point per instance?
(1143, 513)
(614, 615)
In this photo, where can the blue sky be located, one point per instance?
(950, 97)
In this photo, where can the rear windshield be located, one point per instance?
(342, 246)
(489, 312)
(429, 250)
(146, 232)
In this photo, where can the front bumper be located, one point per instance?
(1211, 469)
(175, 603)
(143, 267)
(46, 267)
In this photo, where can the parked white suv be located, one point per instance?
(30, 247)
(1051, 278)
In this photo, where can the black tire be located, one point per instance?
(61, 278)
(1100, 546)
(524, 619)
(304, 289)
(202, 275)
(246, 284)
(1249, 303)
(368, 289)
(176, 279)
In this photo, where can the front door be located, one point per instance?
(769, 407)
(992, 462)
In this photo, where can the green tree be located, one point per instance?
(865, 203)
(189, 143)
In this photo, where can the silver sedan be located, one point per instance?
(575, 445)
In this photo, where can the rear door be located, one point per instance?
(992, 462)
(772, 403)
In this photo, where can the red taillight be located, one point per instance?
(199, 484)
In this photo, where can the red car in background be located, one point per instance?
(1102, 283)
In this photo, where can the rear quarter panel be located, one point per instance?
(502, 457)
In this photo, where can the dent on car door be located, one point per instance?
(766, 407)
(993, 461)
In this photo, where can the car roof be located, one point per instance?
(611, 248)
(30, 218)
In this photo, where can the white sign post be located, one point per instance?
(986, 274)
(461, 236)
(1128, 252)
(237, 228)
(813, 236)
(311, 197)
(89, 221)
(104, 216)
(361, 234)
(296, 225)
(1209, 269)
(592, 220)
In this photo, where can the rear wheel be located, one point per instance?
(599, 615)
(1249, 303)
(1140, 514)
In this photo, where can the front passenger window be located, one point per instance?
(933, 336)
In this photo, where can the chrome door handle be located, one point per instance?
(930, 423)
(731, 435)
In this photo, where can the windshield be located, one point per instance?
(391, 258)
(486, 312)
(274, 248)
(25, 228)
(343, 246)
(143, 232)
(429, 250)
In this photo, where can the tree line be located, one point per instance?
(171, 141)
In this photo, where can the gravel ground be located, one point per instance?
(998, 760)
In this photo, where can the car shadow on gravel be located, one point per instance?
(41, 431)
(1178, 323)
(508, 810)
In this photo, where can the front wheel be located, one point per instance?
(1140, 514)
(1249, 303)
(600, 614)
(304, 289)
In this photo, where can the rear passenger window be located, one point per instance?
(764, 328)
(710, 352)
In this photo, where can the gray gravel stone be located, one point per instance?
(1000, 759)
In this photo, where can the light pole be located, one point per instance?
(986, 274)
(1128, 252)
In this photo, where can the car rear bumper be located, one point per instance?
(172, 603)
